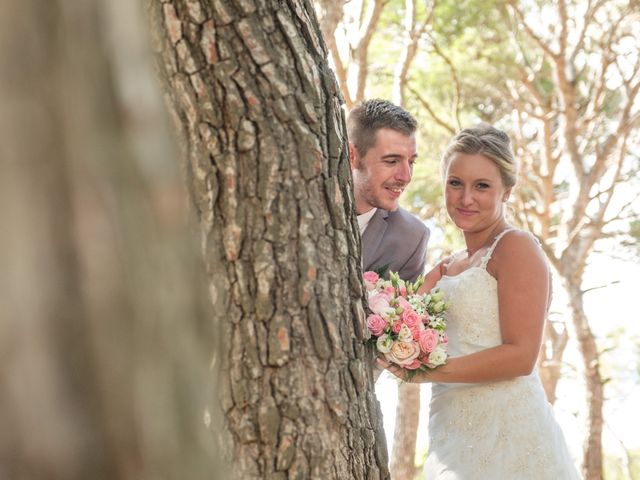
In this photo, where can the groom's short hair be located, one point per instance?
(370, 116)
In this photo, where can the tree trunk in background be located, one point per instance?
(403, 457)
(105, 349)
(259, 110)
(592, 467)
(550, 359)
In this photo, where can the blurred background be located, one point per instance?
(562, 79)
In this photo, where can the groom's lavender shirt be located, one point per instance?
(397, 239)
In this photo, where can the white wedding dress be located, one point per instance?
(491, 431)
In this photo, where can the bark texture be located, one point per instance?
(104, 357)
(259, 110)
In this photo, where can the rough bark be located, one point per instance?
(403, 456)
(103, 355)
(259, 110)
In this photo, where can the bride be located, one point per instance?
(489, 417)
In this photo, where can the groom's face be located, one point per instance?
(383, 172)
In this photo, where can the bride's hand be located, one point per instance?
(399, 372)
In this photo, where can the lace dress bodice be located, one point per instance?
(496, 430)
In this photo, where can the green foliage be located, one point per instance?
(634, 236)
(615, 468)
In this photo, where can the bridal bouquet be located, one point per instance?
(408, 328)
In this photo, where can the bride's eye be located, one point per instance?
(482, 185)
(454, 183)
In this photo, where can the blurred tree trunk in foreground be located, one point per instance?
(103, 333)
(259, 110)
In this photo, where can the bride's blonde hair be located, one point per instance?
(488, 141)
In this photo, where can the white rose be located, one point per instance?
(384, 343)
(437, 357)
(405, 335)
(388, 313)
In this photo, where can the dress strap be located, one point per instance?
(487, 256)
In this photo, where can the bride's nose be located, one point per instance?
(467, 196)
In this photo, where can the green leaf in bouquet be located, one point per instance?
(382, 271)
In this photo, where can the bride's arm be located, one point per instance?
(523, 279)
(431, 278)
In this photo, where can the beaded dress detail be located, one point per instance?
(492, 431)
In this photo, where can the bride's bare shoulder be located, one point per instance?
(518, 247)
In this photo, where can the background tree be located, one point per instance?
(351, 24)
(567, 90)
(259, 112)
(575, 97)
(103, 325)
(562, 78)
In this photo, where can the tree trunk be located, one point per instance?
(550, 359)
(104, 358)
(592, 461)
(403, 457)
(258, 107)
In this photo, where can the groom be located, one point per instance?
(382, 151)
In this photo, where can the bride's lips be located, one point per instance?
(464, 212)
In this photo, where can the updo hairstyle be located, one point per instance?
(488, 141)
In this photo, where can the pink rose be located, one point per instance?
(403, 291)
(370, 280)
(370, 276)
(445, 339)
(404, 304)
(414, 365)
(376, 324)
(411, 318)
(425, 318)
(389, 289)
(397, 325)
(378, 302)
(428, 340)
(416, 331)
(403, 353)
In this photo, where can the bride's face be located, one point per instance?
(474, 192)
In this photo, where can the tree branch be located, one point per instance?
(410, 49)
(541, 43)
(454, 75)
(451, 130)
(586, 21)
(600, 286)
(361, 52)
